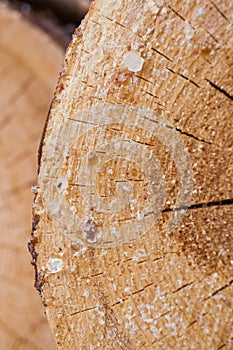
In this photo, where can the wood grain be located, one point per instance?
(113, 275)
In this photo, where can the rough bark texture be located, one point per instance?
(29, 62)
(144, 83)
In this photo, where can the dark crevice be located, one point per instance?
(217, 8)
(213, 37)
(222, 288)
(179, 130)
(219, 290)
(114, 21)
(201, 205)
(193, 136)
(97, 274)
(191, 324)
(150, 94)
(82, 121)
(182, 287)
(83, 310)
(142, 289)
(142, 261)
(176, 13)
(141, 143)
(218, 88)
(94, 21)
(162, 54)
(188, 79)
(142, 78)
(140, 36)
(184, 77)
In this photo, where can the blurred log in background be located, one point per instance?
(30, 60)
(57, 17)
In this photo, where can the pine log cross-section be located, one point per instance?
(133, 208)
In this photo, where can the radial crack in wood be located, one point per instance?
(134, 204)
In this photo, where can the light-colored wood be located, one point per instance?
(29, 66)
(143, 111)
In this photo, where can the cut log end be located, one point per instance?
(135, 183)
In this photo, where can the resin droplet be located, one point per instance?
(133, 61)
(54, 265)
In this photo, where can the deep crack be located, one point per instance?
(193, 136)
(218, 88)
(179, 130)
(201, 205)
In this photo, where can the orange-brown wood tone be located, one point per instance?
(134, 205)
